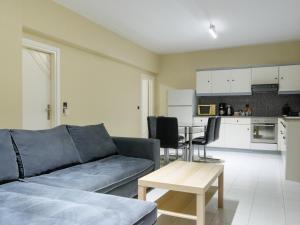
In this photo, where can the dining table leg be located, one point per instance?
(191, 149)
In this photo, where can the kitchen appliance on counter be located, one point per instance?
(264, 130)
(229, 110)
(286, 110)
(207, 110)
(222, 109)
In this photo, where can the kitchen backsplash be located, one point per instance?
(266, 104)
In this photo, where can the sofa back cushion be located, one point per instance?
(8, 161)
(93, 142)
(45, 150)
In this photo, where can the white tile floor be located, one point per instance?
(255, 192)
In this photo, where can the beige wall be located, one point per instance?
(178, 70)
(98, 89)
(10, 63)
(59, 23)
(100, 71)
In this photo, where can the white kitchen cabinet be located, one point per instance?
(291, 153)
(281, 135)
(289, 79)
(237, 136)
(265, 75)
(203, 83)
(241, 81)
(221, 81)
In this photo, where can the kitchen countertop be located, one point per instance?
(290, 117)
(245, 116)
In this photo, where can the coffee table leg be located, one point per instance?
(142, 192)
(221, 190)
(200, 209)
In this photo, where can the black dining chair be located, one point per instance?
(208, 137)
(217, 128)
(151, 121)
(167, 133)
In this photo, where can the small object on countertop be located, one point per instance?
(286, 110)
(247, 110)
(229, 110)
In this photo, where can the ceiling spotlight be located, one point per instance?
(212, 31)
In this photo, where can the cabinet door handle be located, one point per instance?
(281, 78)
(232, 80)
(276, 78)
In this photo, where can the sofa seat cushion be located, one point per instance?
(101, 176)
(45, 150)
(92, 142)
(35, 204)
(8, 161)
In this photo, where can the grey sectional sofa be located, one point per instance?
(51, 176)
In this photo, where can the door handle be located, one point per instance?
(48, 112)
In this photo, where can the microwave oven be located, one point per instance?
(207, 110)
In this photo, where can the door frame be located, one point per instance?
(55, 84)
(152, 78)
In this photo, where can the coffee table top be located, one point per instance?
(191, 177)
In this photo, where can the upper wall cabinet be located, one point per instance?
(289, 79)
(265, 75)
(224, 82)
(203, 83)
(241, 81)
(220, 81)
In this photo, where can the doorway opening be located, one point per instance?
(40, 86)
(147, 102)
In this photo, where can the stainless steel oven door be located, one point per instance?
(264, 133)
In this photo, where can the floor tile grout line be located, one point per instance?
(283, 201)
(252, 203)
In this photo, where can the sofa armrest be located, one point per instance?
(139, 148)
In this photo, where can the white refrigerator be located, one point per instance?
(182, 105)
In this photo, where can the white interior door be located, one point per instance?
(147, 102)
(36, 89)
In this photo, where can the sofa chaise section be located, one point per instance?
(104, 176)
(34, 204)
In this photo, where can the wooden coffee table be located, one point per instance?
(189, 185)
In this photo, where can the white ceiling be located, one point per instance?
(168, 26)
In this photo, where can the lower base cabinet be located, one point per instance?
(233, 136)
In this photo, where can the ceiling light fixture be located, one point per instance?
(212, 31)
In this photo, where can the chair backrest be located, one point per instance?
(167, 132)
(152, 121)
(217, 128)
(210, 130)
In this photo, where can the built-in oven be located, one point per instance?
(264, 130)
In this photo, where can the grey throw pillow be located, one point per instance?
(8, 161)
(93, 142)
(45, 150)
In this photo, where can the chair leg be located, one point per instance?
(176, 153)
(204, 152)
(198, 151)
(166, 155)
